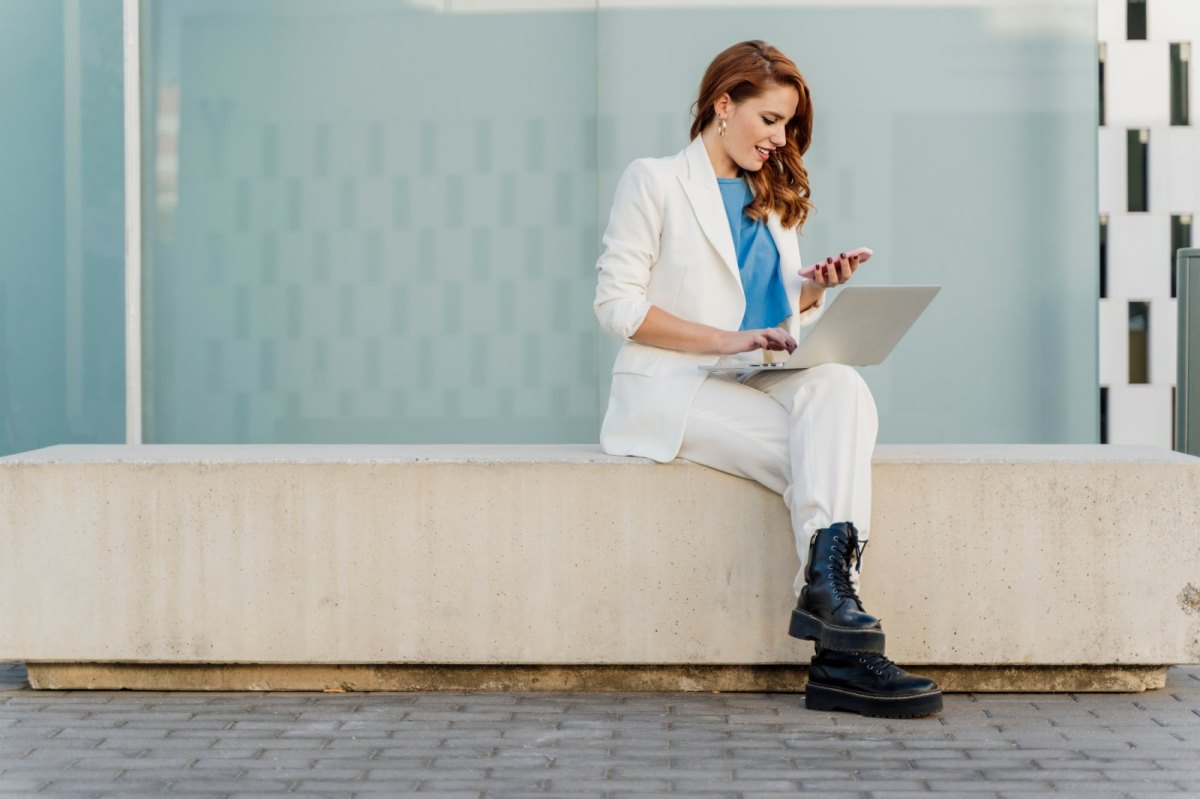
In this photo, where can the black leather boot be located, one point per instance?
(829, 611)
(870, 684)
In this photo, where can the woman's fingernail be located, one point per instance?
(843, 255)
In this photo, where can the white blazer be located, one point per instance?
(668, 243)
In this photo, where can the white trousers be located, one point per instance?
(807, 435)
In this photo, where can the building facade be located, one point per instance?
(1149, 199)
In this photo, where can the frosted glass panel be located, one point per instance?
(957, 141)
(62, 360)
(378, 221)
(370, 221)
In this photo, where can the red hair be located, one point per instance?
(746, 70)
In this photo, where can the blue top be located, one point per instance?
(758, 259)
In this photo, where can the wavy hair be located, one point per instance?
(746, 70)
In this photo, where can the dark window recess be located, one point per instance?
(1135, 19)
(1103, 56)
(1103, 256)
(1103, 415)
(1181, 53)
(1137, 168)
(1139, 342)
(1181, 236)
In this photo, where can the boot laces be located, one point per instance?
(878, 664)
(844, 551)
(858, 545)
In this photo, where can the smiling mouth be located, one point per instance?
(765, 153)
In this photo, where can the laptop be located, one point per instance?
(860, 327)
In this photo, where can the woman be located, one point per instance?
(701, 266)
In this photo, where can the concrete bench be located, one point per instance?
(558, 567)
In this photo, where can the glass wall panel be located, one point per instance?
(377, 221)
(62, 356)
(370, 221)
(955, 139)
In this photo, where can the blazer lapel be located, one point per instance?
(702, 191)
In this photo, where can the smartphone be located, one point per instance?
(864, 254)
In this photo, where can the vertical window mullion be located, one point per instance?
(1181, 236)
(1103, 256)
(1181, 53)
(1139, 342)
(1103, 414)
(1137, 163)
(1135, 19)
(131, 57)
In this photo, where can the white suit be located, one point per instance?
(805, 434)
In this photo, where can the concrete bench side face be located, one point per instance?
(581, 563)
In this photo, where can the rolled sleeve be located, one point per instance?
(631, 248)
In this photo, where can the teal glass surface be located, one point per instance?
(62, 343)
(376, 223)
(958, 142)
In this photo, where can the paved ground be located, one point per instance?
(592, 745)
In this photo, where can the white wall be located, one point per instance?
(1137, 96)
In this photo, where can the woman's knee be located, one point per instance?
(844, 384)
(838, 377)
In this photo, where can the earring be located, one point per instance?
(721, 127)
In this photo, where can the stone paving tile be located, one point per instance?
(924, 794)
(581, 745)
(21, 785)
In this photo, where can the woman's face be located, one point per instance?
(755, 127)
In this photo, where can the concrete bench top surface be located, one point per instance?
(558, 453)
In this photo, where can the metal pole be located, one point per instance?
(73, 193)
(1187, 383)
(133, 222)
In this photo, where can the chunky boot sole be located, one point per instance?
(840, 639)
(824, 697)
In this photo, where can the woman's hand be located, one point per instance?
(769, 338)
(835, 270)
